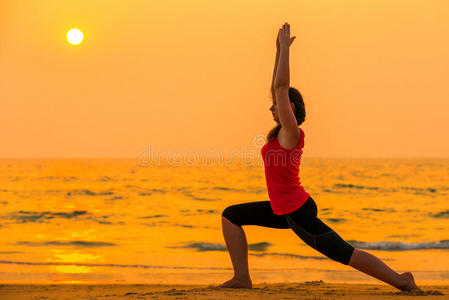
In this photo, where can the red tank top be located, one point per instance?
(282, 175)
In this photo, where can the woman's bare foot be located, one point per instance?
(411, 285)
(237, 283)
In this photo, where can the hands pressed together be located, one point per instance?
(281, 76)
(283, 38)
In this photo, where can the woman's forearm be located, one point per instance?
(274, 73)
(283, 71)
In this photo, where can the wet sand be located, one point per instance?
(300, 290)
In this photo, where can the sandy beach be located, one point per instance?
(299, 290)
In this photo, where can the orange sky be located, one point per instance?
(195, 76)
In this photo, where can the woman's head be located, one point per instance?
(298, 108)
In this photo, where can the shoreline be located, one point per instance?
(317, 289)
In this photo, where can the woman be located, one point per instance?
(290, 206)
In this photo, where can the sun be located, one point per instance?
(75, 36)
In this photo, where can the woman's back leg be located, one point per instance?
(321, 237)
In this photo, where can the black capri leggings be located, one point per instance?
(303, 221)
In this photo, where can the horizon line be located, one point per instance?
(303, 157)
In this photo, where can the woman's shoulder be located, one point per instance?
(290, 145)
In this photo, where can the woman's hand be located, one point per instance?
(283, 39)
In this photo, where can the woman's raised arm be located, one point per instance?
(273, 95)
(282, 83)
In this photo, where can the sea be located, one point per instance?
(136, 221)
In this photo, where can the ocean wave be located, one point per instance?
(153, 216)
(342, 185)
(187, 212)
(33, 216)
(442, 214)
(115, 198)
(202, 246)
(44, 216)
(399, 246)
(223, 188)
(262, 246)
(194, 197)
(107, 265)
(379, 209)
(158, 191)
(166, 223)
(415, 189)
(64, 243)
(65, 179)
(88, 193)
(250, 190)
(104, 178)
(336, 220)
(192, 226)
(289, 255)
(145, 194)
(427, 191)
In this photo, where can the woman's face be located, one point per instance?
(274, 112)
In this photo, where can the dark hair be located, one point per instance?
(300, 112)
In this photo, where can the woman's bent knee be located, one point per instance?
(228, 214)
